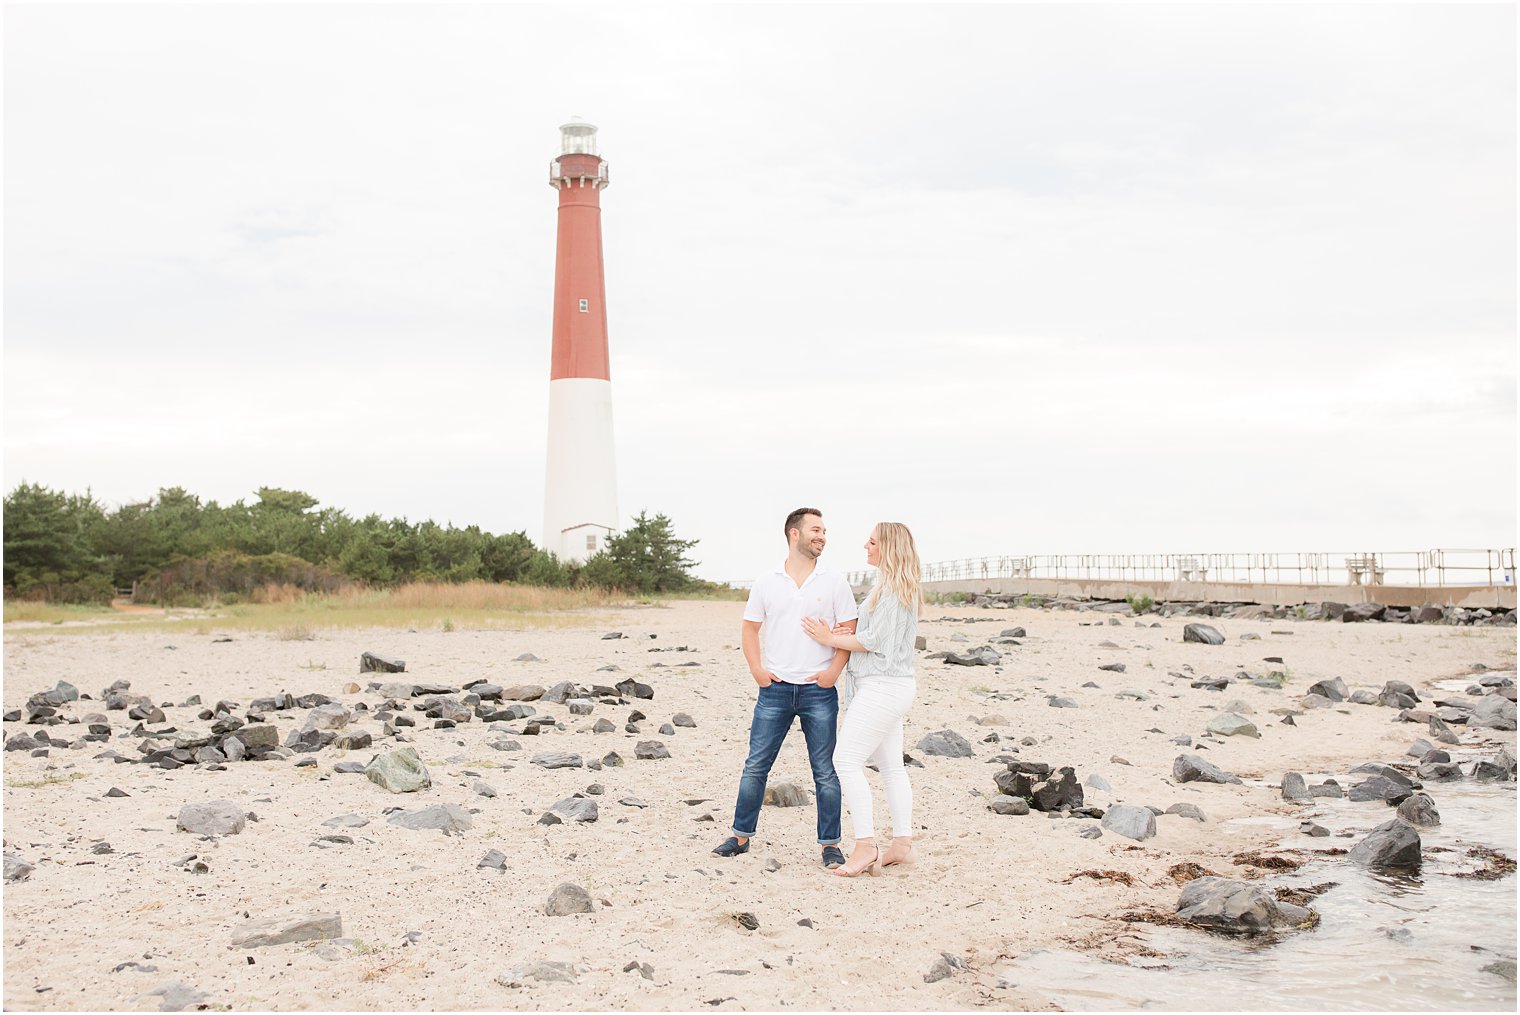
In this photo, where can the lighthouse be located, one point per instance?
(580, 483)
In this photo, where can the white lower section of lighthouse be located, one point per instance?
(580, 485)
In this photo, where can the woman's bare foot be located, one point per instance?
(900, 851)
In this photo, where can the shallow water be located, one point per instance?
(1383, 943)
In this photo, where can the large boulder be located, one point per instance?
(1203, 634)
(1361, 612)
(1236, 907)
(1192, 768)
(399, 771)
(1294, 787)
(1130, 821)
(1393, 845)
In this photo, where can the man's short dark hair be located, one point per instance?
(794, 520)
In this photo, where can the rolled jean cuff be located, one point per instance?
(742, 835)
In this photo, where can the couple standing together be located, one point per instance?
(813, 634)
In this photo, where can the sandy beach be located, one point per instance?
(424, 928)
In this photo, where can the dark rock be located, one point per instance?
(522, 692)
(650, 750)
(1420, 810)
(1361, 612)
(1328, 788)
(369, 662)
(1191, 768)
(353, 741)
(576, 809)
(1235, 907)
(684, 720)
(560, 693)
(1002, 804)
(1294, 787)
(1334, 689)
(1187, 811)
(1113, 667)
(305, 741)
(1379, 788)
(1203, 634)
(1392, 845)
(1062, 790)
(1435, 771)
(631, 688)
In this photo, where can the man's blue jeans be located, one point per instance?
(778, 705)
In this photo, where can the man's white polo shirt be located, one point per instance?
(780, 604)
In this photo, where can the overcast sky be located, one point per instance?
(1031, 279)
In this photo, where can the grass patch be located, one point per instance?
(47, 780)
(49, 613)
(312, 667)
(420, 605)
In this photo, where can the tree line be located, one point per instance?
(71, 548)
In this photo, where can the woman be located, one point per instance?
(878, 688)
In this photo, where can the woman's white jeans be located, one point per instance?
(873, 732)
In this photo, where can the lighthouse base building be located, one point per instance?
(580, 481)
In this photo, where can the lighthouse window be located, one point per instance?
(586, 308)
(590, 540)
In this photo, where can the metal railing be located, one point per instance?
(1423, 568)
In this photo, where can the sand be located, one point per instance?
(986, 887)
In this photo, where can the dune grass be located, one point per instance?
(297, 617)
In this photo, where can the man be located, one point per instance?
(796, 676)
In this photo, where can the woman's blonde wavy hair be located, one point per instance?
(899, 567)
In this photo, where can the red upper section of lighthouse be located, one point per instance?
(580, 319)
